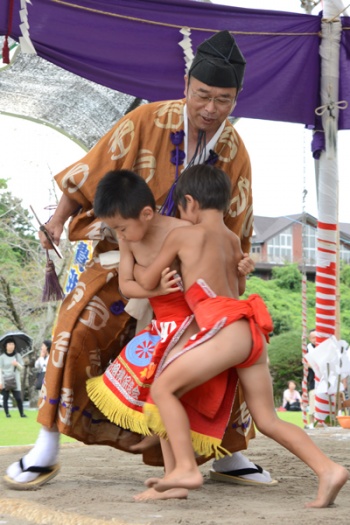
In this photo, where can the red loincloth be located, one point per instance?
(209, 406)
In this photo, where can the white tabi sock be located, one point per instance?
(43, 454)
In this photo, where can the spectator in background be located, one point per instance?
(11, 364)
(311, 380)
(291, 398)
(41, 363)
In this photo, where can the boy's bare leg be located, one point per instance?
(191, 369)
(208, 360)
(169, 463)
(258, 393)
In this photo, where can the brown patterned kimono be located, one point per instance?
(92, 327)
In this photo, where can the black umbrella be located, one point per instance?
(23, 342)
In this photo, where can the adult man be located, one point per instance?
(157, 141)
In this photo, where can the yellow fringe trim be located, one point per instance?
(114, 409)
(203, 445)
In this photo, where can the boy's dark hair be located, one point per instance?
(122, 192)
(9, 340)
(208, 185)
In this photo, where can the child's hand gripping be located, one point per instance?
(246, 265)
(168, 282)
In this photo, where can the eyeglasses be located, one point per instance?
(219, 102)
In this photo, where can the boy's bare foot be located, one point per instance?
(191, 480)
(152, 494)
(329, 486)
(147, 442)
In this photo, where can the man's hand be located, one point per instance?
(55, 229)
(246, 265)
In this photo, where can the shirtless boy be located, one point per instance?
(208, 253)
(126, 205)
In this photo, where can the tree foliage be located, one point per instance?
(287, 277)
(282, 295)
(22, 273)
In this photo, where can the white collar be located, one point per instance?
(209, 146)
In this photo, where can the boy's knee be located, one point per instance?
(265, 426)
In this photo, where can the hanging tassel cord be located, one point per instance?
(52, 288)
(168, 207)
(6, 48)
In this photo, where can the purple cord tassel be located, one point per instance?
(52, 288)
(169, 205)
(177, 158)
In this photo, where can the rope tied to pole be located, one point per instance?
(330, 124)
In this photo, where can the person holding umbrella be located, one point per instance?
(11, 364)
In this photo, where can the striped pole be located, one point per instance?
(304, 389)
(304, 392)
(325, 304)
(327, 193)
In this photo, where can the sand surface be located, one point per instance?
(96, 485)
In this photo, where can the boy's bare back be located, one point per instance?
(211, 252)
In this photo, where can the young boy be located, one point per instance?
(126, 204)
(208, 253)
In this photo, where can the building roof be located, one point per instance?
(267, 227)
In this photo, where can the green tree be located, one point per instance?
(22, 262)
(345, 274)
(22, 277)
(287, 277)
(284, 301)
(285, 354)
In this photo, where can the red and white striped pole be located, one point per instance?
(327, 192)
(325, 304)
(304, 392)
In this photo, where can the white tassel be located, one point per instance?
(186, 44)
(24, 40)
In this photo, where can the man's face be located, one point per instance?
(208, 106)
(312, 338)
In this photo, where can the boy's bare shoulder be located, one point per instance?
(171, 223)
(234, 237)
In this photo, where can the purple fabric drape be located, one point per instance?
(106, 42)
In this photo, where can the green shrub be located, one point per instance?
(287, 277)
(285, 356)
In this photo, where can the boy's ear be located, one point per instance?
(146, 213)
(189, 201)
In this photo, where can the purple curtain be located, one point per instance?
(132, 46)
